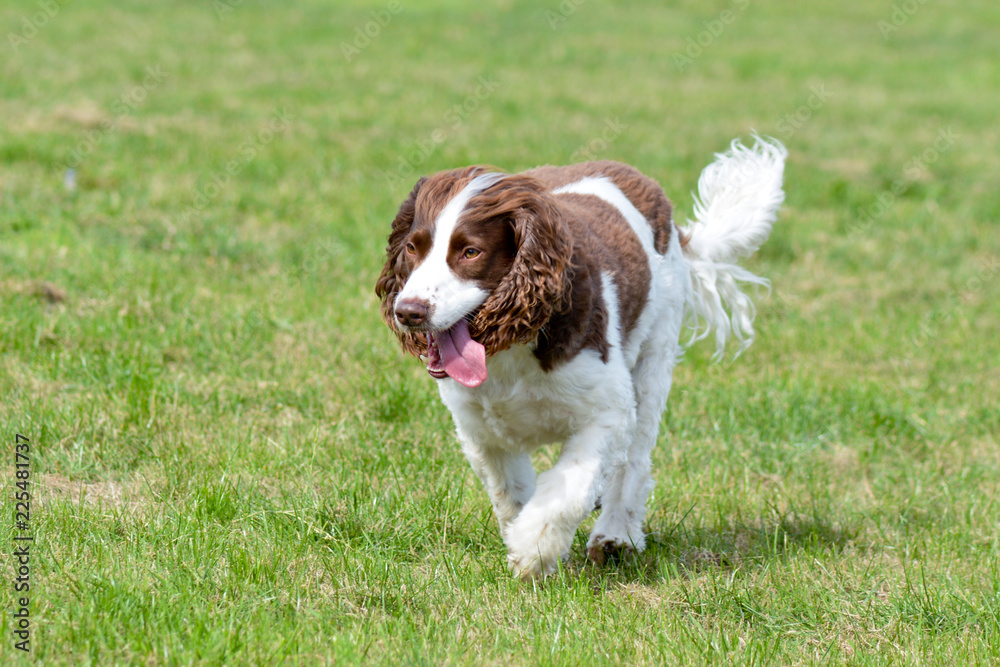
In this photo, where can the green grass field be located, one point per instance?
(233, 463)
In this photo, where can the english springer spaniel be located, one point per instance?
(549, 304)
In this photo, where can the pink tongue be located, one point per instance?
(464, 359)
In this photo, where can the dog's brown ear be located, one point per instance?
(396, 271)
(536, 285)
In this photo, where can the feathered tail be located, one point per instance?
(738, 200)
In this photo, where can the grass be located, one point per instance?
(233, 463)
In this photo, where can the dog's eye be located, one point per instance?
(411, 249)
(472, 253)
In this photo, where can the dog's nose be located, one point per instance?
(412, 312)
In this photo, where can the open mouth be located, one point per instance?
(452, 353)
(434, 365)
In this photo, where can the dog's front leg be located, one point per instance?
(543, 532)
(509, 479)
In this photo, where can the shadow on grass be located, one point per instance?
(679, 551)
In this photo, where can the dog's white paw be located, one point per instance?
(527, 567)
(535, 547)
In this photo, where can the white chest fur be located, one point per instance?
(520, 407)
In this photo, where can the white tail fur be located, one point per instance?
(738, 199)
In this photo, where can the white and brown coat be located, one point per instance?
(564, 290)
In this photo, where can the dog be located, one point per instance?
(549, 306)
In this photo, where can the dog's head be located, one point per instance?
(477, 261)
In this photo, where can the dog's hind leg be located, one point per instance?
(619, 529)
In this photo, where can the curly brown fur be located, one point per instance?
(396, 271)
(537, 284)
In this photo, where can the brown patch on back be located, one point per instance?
(606, 238)
(644, 193)
(581, 320)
